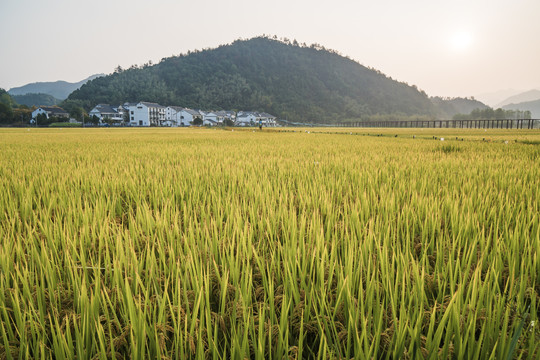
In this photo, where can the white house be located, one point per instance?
(210, 122)
(146, 114)
(246, 119)
(224, 114)
(250, 118)
(50, 111)
(106, 112)
(172, 116)
(210, 118)
(268, 119)
(186, 117)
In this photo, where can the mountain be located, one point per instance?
(447, 108)
(32, 99)
(494, 98)
(532, 106)
(526, 96)
(288, 80)
(58, 89)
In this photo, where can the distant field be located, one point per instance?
(206, 243)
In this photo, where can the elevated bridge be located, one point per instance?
(457, 124)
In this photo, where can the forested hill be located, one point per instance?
(288, 80)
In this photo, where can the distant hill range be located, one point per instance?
(280, 77)
(493, 98)
(523, 97)
(58, 89)
(532, 106)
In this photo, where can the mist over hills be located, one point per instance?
(532, 106)
(526, 96)
(493, 98)
(58, 89)
(283, 78)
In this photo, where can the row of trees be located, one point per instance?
(491, 114)
(12, 113)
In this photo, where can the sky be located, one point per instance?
(450, 48)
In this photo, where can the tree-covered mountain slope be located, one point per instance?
(33, 99)
(288, 80)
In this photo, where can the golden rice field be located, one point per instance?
(317, 243)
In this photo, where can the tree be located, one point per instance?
(197, 121)
(500, 114)
(228, 122)
(6, 99)
(6, 114)
(77, 112)
(42, 119)
(22, 114)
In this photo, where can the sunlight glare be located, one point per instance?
(461, 41)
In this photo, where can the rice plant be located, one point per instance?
(209, 244)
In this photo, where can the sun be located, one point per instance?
(461, 41)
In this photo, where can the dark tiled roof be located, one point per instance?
(53, 109)
(105, 109)
(149, 104)
(248, 113)
(192, 112)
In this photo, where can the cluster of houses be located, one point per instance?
(152, 114)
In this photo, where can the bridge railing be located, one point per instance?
(458, 124)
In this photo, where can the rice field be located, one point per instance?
(317, 243)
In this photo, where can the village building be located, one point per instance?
(172, 116)
(210, 119)
(246, 118)
(252, 118)
(223, 115)
(268, 119)
(50, 111)
(186, 117)
(109, 114)
(152, 114)
(147, 114)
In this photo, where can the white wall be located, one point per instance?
(38, 111)
(186, 121)
(139, 115)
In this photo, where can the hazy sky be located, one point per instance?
(447, 48)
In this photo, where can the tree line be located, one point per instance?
(493, 114)
(11, 112)
(14, 114)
